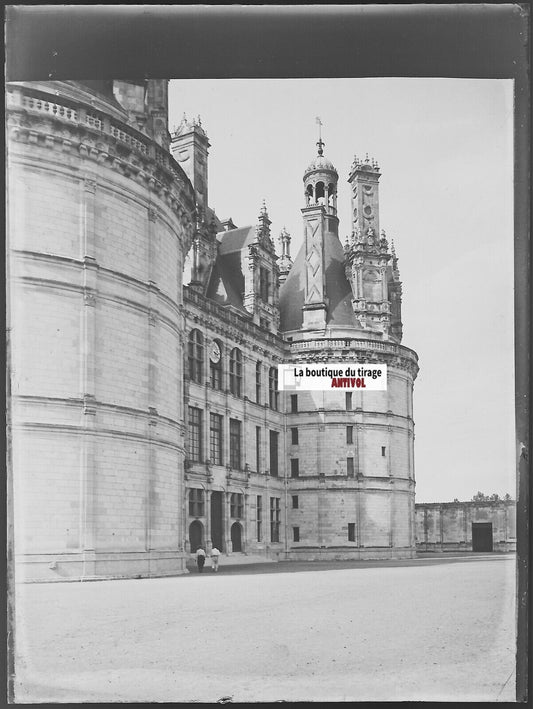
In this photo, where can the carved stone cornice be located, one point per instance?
(107, 142)
(403, 359)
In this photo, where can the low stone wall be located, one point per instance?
(466, 526)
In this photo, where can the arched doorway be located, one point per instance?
(196, 532)
(236, 537)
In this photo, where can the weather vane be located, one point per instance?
(320, 141)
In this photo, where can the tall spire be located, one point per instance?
(264, 221)
(394, 260)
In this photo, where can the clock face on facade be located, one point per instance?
(214, 352)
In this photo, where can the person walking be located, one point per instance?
(200, 559)
(214, 558)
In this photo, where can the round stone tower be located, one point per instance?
(351, 489)
(100, 216)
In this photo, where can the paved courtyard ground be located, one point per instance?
(427, 629)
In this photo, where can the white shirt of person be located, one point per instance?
(200, 552)
(215, 552)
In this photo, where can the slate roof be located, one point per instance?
(235, 239)
(339, 312)
(226, 285)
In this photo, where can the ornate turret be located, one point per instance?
(370, 269)
(364, 179)
(395, 296)
(261, 275)
(320, 223)
(190, 146)
(320, 180)
(203, 252)
(285, 262)
(263, 229)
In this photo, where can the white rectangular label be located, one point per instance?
(332, 376)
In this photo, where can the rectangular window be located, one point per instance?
(275, 518)
(195, 434)
(235, 372)
(348, 400)
(295, 467)
(258, 383)
(273, 394)
(236, 505)
(296, 534)
(295, 502)
(349, 434)
(235, 444)
(349, 467)
(258, 449)
(294, 403)
(351, 531)
(294, 436)
(216, 375)
(196, 356)
(215, 439)
(274, 439)
(383, 449)
(196, 503)
(264, 284)
(259, 517)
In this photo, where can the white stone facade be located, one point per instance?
(128, 448)
(98, 227)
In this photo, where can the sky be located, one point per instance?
(445, 150)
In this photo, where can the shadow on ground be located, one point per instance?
(426, 559)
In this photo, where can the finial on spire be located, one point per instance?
(366, 159)
(285, 261)
(320, 141)
(285, 240)
(263, 227)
